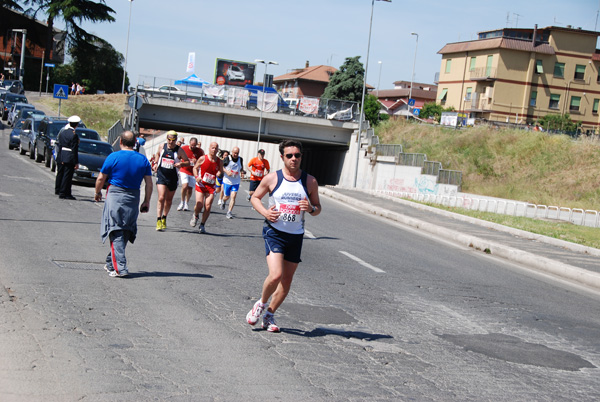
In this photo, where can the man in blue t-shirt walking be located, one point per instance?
(123, 171)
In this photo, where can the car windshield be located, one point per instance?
(95, 148)
(54, 128)
(31, 112)
(36, 125)
(89, 134)
(16, 98)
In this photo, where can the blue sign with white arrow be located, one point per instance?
(61, 91)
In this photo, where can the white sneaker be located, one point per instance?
(194, 221)
(268, 323)
(180, 207)
(185, 206)
(220, 202)
(120, 274)
(228, 215)
(254, 315)
(222, 206)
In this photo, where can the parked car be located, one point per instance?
(88, 133)
(15, 135)
(14, 86)
(6, 101)
(28, 135)
(92, 154)
(25, 113)
(14, 111)
(49, 129)
(166, 91)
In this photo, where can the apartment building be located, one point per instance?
(519, 75)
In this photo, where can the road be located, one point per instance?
(377, 311)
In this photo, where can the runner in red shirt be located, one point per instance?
(205, 170)
(186, 174)
(259, 168)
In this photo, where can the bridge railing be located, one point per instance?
(239, 97)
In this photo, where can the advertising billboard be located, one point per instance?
(231, 72)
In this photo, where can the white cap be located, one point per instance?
(74, 119)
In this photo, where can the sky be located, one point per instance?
(162, 34)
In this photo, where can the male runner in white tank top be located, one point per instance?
(292, 193)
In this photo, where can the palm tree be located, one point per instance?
(73, 13)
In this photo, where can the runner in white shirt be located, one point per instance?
(293, 193)
(234, 171)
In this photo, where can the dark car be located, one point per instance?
(49, 129)
(29, 132)
(92, 154)
(14, 86)
(6, 101)
(15, 134)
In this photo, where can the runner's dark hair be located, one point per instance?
(290, 143)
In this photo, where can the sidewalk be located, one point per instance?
(571, 261)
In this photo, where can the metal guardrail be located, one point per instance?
(115, 132)
(450, 177)
(411, 159)
(576, 216)
(432, 168)
(388, 149)
(330, 109)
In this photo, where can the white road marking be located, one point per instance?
(309, 235)
(363, 263)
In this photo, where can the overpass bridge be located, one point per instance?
(326, 142)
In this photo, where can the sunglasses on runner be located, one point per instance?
(298, 155)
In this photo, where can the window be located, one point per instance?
(488, 66)
(579, 72)
(575, 102)
(473, 60)
(448, 65)
(469, 90)
(559, 70)
(539, 68)
(554, 101)
(443, 96)
(595, 108)
(533, 99)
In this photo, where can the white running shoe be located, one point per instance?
(185, 206)
(254, 315)
(180, 207)
(220, 202)
(228, 215)
(268, 323)
(194, 221)
(202, 230)
(119, 274)
(222, 206)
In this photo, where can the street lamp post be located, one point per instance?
(412, 77)
(266, 63)
(379, 79)
(23, 40)
(127, 47)
(362, 103)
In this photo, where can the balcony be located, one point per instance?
(483, 74)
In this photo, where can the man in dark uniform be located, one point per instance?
(67, 146)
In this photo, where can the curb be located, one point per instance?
(543, 264)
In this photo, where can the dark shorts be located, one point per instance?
(170, 182)
(276, 241)
(254, 184)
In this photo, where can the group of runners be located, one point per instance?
(205, 174)
(292, 194)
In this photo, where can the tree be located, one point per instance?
(431, 110)
(73, 13)
(372, 110)
(347, 82)
(560, 122)
(96, 65)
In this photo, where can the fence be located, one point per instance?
(388, 150)
(575, 216)
(115, 132)
(240, 97)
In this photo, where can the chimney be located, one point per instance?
(307, 64)
(534, 34)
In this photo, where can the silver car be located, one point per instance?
(14, 111)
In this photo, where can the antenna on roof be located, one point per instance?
(507, 18)
(517, 22)
(556, 22)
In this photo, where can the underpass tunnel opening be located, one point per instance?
(323, 162)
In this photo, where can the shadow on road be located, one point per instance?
(160, 274)
(317, 332)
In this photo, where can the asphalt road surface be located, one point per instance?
(377, 311)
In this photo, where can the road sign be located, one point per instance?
(61, 91)
(135, 101)
(49, 65)
(411, 102)
(416, 111)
